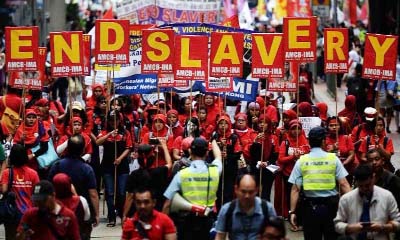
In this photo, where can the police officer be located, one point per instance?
(198, 184)
(316, 174)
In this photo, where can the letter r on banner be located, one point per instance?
(336, 52)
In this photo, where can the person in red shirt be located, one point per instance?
(97, 90)
(24, 178)
(290, 151)
(213, 108)
(49, 220)
(205, 129)
(148, 223)
(10, 109)
(379, 140)
(186, 109)
(49, 112)
(350, 112)
(245, 134)
(337, 142)
(192, 130)
(173, 124)
(282, 132)
(253, 112)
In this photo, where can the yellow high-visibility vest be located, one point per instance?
(318, 172)
(197, 186)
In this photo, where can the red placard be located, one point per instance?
(336, 52)
(289, 81)
(181, 83)
(157, 51)
(22, 45)
(112, 41)
(380, 56)
(136, 29)
(299, 8)
(300, 39)
(31, 80)
(223, 84)
(191, 57)
(226, 57)
(268, 55)
(66, 54)
(165, 80)
(87, 57)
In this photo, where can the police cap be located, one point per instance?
(317, 133)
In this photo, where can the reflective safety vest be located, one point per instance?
(200, 188)
(319, 173)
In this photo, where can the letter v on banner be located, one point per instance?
(112, 41)
(22, 45)
(268, 55)
(380, 56)
(66, 53)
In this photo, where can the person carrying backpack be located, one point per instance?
(242, 218)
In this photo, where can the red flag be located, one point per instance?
(231, 22)
(109, 14)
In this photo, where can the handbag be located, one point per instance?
(9, 212)
(49, 157)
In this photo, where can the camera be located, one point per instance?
(154, 141)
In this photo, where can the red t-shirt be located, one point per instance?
(345, 145)
(372, 144)
(287, 160)
(88, 143)
(24, 179)
(161, 225)
(64, 223)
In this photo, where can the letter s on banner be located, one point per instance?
(157, 51)
(380, 56)
(22, 45)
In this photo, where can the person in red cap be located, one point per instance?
(173, 123)
(323, 112)
(245, 134)
(78, 204)
(77, 128)
(290, 151)
(117, 143)
(32, 133)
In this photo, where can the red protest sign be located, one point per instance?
(289, 81)
(336, 52)
(157, 51)
(87, 57)
(136, 29)
(181, 83)
(223, 84)
(226, 55)
(268, 55)
(300, 39)
(112, 41)
(165, 80)
(191, 57)
(380, 56)
(22, 45)
(66, 54)
(33, 79)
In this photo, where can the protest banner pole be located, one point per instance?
(377, 104)
(297, 102)
(223, 157)
(22, 107)
(262, 147)
(115, 139)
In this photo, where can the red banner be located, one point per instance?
(136, 29)
(112, 41)
(268, 55)
(289, 81)
(380, 56)
(336, 54)
(87, 57)
(165, 80)
(22, 44)
(191, 57)
(157, 51)
(300, 38)
(31, 80)
(226, 57)
(223, 84)
(66, 54)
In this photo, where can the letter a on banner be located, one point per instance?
(268, 55)
(300, 39)
(66, 54)
(22, 45)
(191, 57)
(226, 56)
(157, 51)
(112, 41)
(336, 52)
(380, 57)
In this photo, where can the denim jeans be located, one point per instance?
(120, 198)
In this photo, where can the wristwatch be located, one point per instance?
(291, 212)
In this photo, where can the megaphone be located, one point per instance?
(178, 203)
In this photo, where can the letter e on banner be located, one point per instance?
(380, 56)
(300, 39)
(22, 45)
(157, 51)
(268, 55)
(66, 54)
(112, 41)
(336, 52)
(226, 55)
(191, 57)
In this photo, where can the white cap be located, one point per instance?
(370, 113)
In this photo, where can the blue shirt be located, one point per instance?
(296, 177)
(244, 227)
(196, 166)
